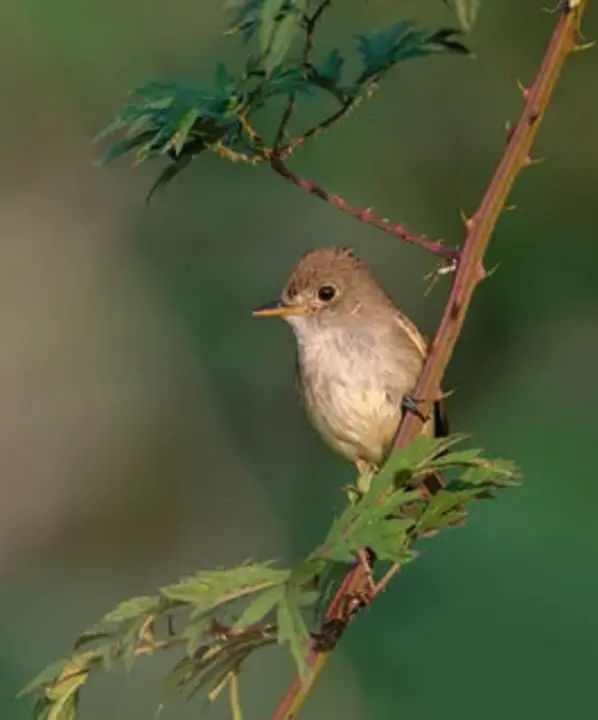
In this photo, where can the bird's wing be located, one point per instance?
(418, 340)
(441, 425)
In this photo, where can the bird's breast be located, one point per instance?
(353, 384)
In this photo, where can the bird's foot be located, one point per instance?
(411, 404)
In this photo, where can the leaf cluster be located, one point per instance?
(216, 619)
(180, 120)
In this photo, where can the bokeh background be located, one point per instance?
(149, 426)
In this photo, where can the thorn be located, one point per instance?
(523, 89)
(467, 221)
(367, 213)
(532, 161)
(580, 47)
(480, 272)
(566, 6)
(510, 208)
(489, 273)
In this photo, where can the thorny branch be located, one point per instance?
(278, 153)
(469, 274)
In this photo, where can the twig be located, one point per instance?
(478, 232)
(365, 215)
(289, 148)
(310, 29)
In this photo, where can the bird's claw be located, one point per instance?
(411, 404)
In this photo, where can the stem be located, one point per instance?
(469, 273)
(299, 140)
(310, 29)
(365, 215)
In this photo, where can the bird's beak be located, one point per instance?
(277, 309)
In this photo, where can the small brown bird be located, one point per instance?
(358, 356)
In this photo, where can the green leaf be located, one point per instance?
(459, 458)
(132, 609)
(384, 48)
(63, 694)
(416, 457)
(246, 19)
(194, 634)
(332, 67)
(177, 141)
(498, 472)
(280, 19)
(377, 49)
(260, 607)
(47, 676)
(125, 146)
(281, 41)
(445, 508)
(90, 636)
(168, 174)
(208, 589)
(305, 573)
(270, 12)
(292, 629)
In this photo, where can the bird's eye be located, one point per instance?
(326, 293)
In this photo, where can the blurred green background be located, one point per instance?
(149, 426)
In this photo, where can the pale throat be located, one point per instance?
(358, 350)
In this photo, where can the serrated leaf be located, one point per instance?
(65, 707)
(418, 454)
(281, 41)
(376, 49)
(177, 141)
(246, 19)
(384, 48)
(292, 630)
(332, 67)
(445, 508)
(459, 458)
(126, 145)
(305, 573)
(91, 636)
(64, 692)
(47, 676)
(280, 19)
(168, 174)
(499, 472)
(132, 609)
(210, 588)
(270, 11)
(194, 634)
(259, 608)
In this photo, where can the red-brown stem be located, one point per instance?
(468, 275)
(365, 215)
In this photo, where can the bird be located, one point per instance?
(358, 356)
